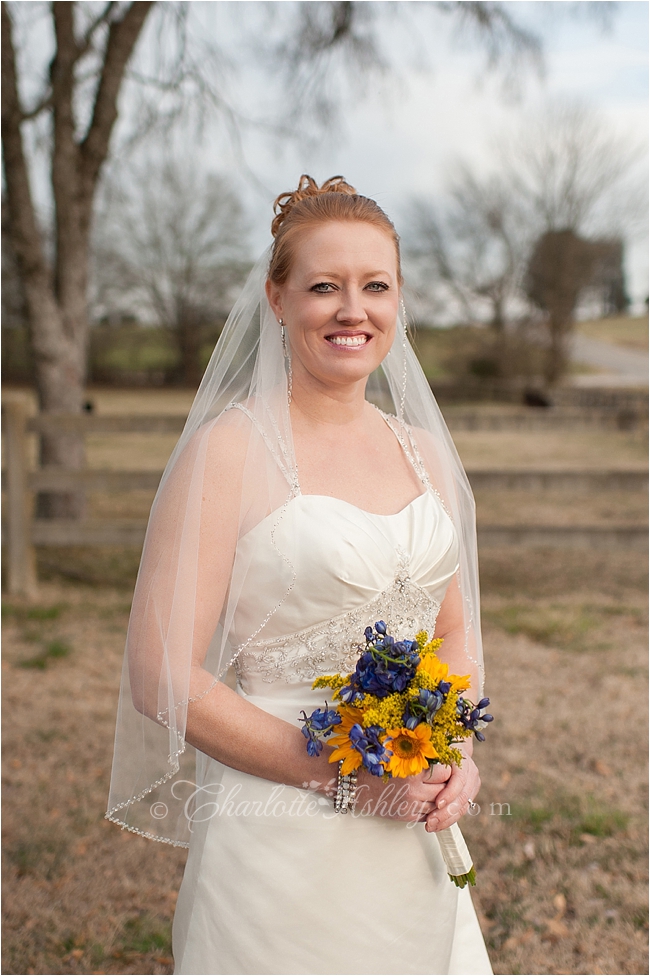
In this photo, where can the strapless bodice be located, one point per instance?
(329, 569)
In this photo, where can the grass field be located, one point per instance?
(561, 875)
(621, 331)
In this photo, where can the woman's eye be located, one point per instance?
(377, 286)
(323, 287)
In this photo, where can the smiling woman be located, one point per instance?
(292, 515)
(340, 312)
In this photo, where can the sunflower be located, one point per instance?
(411, 750)
(434, 667)
(437, 670)
(343, 748)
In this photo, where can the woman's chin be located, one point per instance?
(347, 373)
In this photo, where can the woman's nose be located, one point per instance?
(352, 311)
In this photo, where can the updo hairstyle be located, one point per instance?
(312, 204)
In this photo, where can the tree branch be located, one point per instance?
(22, 217)
(23, 225)
(43, 103)
(122, 38)
(101, 18)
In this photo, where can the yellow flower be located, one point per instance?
(436, 670)
(434, 667)
(385, 712)
(333, 681)
(343, 749)
(411, 750)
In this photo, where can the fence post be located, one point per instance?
(22, 558)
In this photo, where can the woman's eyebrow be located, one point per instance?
(335, 274)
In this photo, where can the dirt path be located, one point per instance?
(628, 366)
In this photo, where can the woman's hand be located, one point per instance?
(453, 800)
(412, 799)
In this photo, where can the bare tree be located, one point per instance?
(580, 183)
(573, 171)
(474, 245)
(565, 194)
(172, 247)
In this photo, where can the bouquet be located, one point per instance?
(396, 714)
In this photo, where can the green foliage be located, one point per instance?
(570, 816)
(43, 855)
(567, 626)
(53, 650)
(145, 933)
(469, 351)
(106, 566)
(117, 351)
(33, 612)
(602, 822)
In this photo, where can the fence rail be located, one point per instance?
(24, 531)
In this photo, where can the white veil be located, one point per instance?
(233, 466)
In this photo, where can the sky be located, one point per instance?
(407, 133)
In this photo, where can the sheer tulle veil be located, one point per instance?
(237, 444)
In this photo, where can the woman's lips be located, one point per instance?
(349, 341)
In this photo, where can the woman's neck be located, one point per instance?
(336, 406)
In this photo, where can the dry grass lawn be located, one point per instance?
(631, 332)
(561, 878)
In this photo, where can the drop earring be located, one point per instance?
(287, 356)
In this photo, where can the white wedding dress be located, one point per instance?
(275, 881)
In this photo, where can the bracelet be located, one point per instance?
(346, 791)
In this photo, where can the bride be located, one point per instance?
(314, 490)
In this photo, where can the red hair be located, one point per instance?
(313, 204)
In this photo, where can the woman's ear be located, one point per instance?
(274, 296)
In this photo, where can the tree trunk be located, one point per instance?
(558, 353)
(189, 331)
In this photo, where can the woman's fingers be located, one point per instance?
(457, 781)
(436, 774)
(455, 802)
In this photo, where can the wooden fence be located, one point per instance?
(23, 532)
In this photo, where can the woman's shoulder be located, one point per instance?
(242, 428)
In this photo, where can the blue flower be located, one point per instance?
(384, 667)
(424, 707)
(314, 746)
(471, 718)
(319, 725)
(367, 743)
(322, 718)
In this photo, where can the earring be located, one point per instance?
(287, 356)
(404, 361)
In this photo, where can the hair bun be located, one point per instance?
(307, 187)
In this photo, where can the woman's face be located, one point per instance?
(339, 303)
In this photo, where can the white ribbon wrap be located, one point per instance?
(454, 851)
